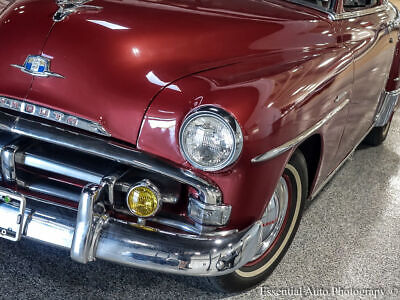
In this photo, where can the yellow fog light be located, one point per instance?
(143, 199)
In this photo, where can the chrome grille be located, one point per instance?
(56, 175)
(43, 163)
(51, 170)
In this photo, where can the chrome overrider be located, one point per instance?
(92, 234)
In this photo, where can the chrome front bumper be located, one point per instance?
(91, 234)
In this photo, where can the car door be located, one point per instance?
(365, 30)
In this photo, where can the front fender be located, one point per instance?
(272, 105)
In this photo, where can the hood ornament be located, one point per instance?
(37, 65)
(68, 7)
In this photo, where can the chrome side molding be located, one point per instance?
(385, 112)
(389, 102)
(302, 137)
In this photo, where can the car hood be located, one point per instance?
(22, 32)
(116, 56)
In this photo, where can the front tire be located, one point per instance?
(377, 135)
(281, 220)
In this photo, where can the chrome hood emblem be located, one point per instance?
(67, 7)
(37, 65)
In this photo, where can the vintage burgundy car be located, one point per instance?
(185, 136)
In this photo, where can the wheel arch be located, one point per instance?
(312, 151)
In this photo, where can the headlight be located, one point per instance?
(210, 139)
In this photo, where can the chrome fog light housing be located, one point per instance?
(210, 139)
(143, 199)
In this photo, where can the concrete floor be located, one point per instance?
(349, 238)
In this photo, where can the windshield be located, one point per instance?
(327, 5)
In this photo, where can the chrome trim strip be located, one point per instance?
(95, 146)
(363, 12)
(45, 164)
(52, 115)
(133, 246)
(294, 142)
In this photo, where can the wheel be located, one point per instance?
(281, 220)
(377, 135)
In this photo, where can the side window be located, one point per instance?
(353, 5)
(324, 4)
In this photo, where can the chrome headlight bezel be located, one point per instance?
(228, 120)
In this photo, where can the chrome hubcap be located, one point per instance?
(274, 216)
